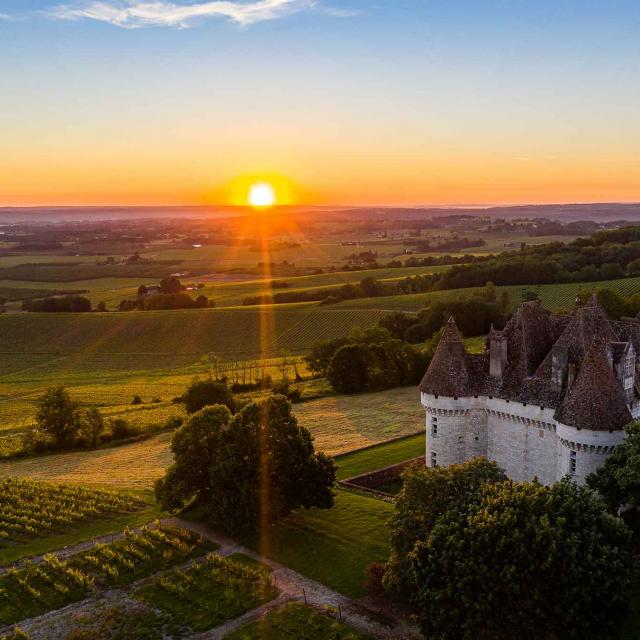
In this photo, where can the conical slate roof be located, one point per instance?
(448, 373)
(596, 400)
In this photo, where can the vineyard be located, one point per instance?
(53, 583)
(149, 341)
(295, 621)
(211, 592)
(30, 509)
(38, 588)
(140, 554)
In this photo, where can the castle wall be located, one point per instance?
(590, 449)
(524, 440)
(461, 431)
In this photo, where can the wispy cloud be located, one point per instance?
(4, 16)
(140, 13)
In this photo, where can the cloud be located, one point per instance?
(140, 13)
(4, 16)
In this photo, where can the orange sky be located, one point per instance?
(411, 103)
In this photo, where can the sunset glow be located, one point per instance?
(170, 107)
(261, 195)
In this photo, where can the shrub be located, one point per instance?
(121, 429)
(92, 426)
(373, 579)
(136, 400)
(284, 388)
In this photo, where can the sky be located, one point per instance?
(354, 102)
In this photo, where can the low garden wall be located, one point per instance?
(373, 479)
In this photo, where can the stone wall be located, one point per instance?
(525, 440)
(374, 479)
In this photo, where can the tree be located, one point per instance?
(248, 470)
(397, 323)
(92, 426)
(142, 290)
(202, 393)
(58, 416)
(193, 445)
(524, 561)
(348, 369)
(618, 479)
(170, 285)
(427, 494)
(101, 307)
(321, 353)
(612, 302)
(370, 287)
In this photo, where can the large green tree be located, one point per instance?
(427, 494)
(321, 353)
(249, 470)
(348, 371)
(202, 393)
(58, 417)
(524, 561)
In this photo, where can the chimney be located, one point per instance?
(571, 375)
(497, 353)
(559, 358)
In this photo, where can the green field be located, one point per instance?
(377, 457)
(143, 341)
(106, 359)
(557, 297)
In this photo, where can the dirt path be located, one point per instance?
(296, 587)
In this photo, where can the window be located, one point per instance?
(572, 463)
(629, 370)
(434, 461)
(434, 426)
(628, 366)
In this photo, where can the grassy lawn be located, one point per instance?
(344, 423)
(331, 546)
(380, 456)
(293, 622)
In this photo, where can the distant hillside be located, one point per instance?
(166, 339)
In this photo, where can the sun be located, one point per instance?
(261, 194)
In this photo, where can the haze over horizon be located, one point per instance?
(343, 103)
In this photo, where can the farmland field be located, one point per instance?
(556, 297)
(161, 339)
(338, 424)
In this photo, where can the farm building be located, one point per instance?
(550, 396)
